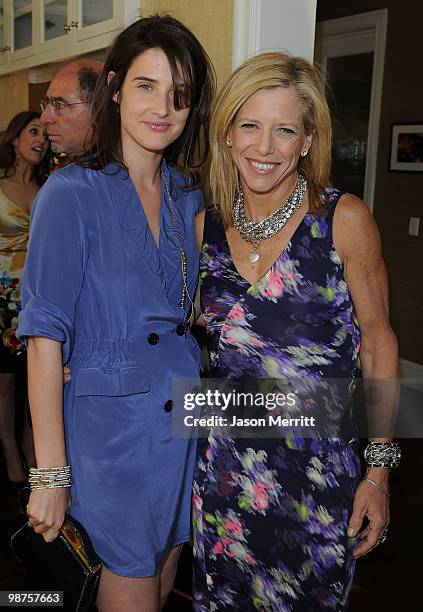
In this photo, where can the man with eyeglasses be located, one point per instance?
(66, 108)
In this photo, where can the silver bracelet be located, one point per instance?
(378, 486)
(383, 454)
(50, 478)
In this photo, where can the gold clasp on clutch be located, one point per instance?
(72, 537)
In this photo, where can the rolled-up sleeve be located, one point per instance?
(199, 201)
(55, 264)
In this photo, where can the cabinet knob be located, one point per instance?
(67, 28)
(74, 24)
(4, 49)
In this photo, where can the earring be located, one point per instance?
(304, 153)
(229, 142)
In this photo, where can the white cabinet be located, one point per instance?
(66, 22)
(22, 32)
(4, 32)
(53, 19)
(35, 32)
(96, 17)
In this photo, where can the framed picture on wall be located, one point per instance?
(407, 147)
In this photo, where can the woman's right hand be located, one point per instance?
(46, 511)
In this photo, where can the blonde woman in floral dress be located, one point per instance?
(275, 519)
(23, 169)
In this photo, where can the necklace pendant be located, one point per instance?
(254, 256)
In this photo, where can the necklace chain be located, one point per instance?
(182, 254)
(254, 232)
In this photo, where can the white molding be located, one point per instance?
(352, 23)
(246, 30)
(240, 33)
(365, 32)
(381, 18)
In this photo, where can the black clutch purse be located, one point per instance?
(67, 564)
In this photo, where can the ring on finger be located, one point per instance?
(383, 537)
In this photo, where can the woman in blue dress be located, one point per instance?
(294, 288)
(111, 268)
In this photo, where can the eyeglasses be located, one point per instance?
(56, 104)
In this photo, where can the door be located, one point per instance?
(351, 52)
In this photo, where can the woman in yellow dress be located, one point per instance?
(23, 169)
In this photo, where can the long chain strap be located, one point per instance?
(183, 257)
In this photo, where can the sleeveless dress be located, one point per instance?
(14, 233)
(271, 515)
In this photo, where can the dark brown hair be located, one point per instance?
(7, 149)
(187, 59)
(87, 78)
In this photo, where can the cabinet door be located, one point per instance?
(95, 18)
(22, 29)
(4, 32)
(55, 24)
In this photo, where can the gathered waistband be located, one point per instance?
(154, 341)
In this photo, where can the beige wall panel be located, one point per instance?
(210, 20)
(13, 96)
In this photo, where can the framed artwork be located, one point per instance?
(407, 147)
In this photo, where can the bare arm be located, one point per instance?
(46, 508)
(45, 389)
(50, 292)
(357, 241)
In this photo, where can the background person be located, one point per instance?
(115, 306)
(23, 169)
(293, 287)
(66, 108)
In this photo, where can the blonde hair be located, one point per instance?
(269, 70)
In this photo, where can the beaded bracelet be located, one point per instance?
(383, 454)
(50, 478)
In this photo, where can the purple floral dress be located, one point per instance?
(270, 515)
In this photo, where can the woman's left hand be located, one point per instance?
(371, 503)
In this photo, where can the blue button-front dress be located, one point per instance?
(96, 281)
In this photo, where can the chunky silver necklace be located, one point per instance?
(254, 232)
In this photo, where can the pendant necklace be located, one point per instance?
(254, 232)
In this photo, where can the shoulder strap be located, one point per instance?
(332, 197)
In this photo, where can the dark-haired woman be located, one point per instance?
(115, 306)
(23, 169)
